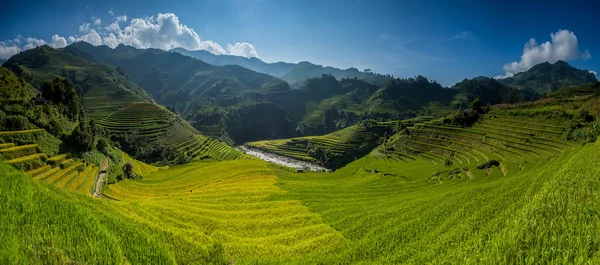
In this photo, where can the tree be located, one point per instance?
(476, 106)
(448, 162)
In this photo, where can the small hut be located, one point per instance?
(299, 170)
(39, 101)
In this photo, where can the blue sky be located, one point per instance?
(446, 41)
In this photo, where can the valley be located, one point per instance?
(135, 156)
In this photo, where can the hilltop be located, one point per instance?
(293, 73)
(103, 89)
(545, 77)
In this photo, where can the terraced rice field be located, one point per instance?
(60, 170)
(200, 147)
(494, 137)
(393, 209)
(226, 201)
(147, 119)
(99, 104)
(340, 141)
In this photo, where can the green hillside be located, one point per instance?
(333, 150)
(516, 191)
(153, 134)
(217, 100)
(103, 90)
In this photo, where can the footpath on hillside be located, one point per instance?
(281, 160)
(101, 180)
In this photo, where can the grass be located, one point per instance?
(371, 211)
(398, 205)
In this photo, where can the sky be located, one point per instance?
(445, 40)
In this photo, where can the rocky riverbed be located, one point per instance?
(281, 160)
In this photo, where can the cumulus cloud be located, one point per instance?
(7, 50)
(110, 12)
(563, 45)
(121, 18)
(58, 41)
(85, 27)
(163, 31)
(33, 42)
(242, 49)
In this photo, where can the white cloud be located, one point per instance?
(163, 31)
(111, 41)
(85, 27)
(593, 72)
(7, 50)
(91, 37)
(110, 12)
(58, 41)
(504, 76)
(242, 49)
(33, 42)
(122, 18)
(562, 46)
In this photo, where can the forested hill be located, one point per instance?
(545, 77)
(240, 104)
(294, 73)
(103, 89)
(173, 79)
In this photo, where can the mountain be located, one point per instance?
(545, 77)
(239, 104)
(293, 73)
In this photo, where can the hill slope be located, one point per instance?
(102, 89)
(403, 206)
(545, 77)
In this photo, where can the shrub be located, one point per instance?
(488, 164)
(16, 122)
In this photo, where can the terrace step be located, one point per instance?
(18, 151)
(26, 158)
(39, 170)
(6, 145)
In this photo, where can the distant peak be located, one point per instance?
(561, 62)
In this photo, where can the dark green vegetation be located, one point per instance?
(545, 78)
(242, 105)
(293, 73)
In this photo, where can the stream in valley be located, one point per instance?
(281, 160)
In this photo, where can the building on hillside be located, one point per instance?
(39, 101)
(299, 170)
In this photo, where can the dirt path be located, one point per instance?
(101, 180)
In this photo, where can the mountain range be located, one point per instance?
(293, 73)
(240, 104)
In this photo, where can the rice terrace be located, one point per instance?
(135, 141)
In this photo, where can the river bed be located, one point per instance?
(281, 160)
